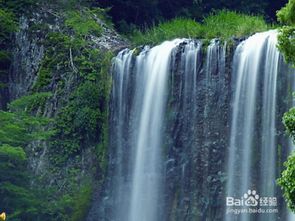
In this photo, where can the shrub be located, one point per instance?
(82, 23)
(286, 181)
(287, 14)
(286, 38)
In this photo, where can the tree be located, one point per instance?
(16, 131)
(287, 182)
(286, 38)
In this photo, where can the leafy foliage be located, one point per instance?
(223, 24)
(16, 196)
(286, 15)
(30, 103)
(17, 7)
(287, 183)
(20, 128)
(289, 122)
(286, 38)
(82, 23)
(7, 26)
(79, 121)
(286, 43)
(287, 179)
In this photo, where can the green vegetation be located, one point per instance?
(287, 183)
(128, 14)
(223, 24)
(177, 28)
(289, 123)
(82, 121)
(226, 24)
(286, 44)
(287, 179)
(82, 23)
(287, 14)
(286, 38)
(17, 7)
(7, 26)
(75, 72)
(30, 103)
(16, 195)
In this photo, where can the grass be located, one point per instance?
(223, 24)
(176, 28)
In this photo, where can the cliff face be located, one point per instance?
(29, 46)
(61, 71)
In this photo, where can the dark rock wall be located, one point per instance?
(197, 136)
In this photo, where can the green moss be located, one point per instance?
(82, 201)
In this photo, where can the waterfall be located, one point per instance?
(147, 174)
(138, 114)
(191, 125)
(268, 141)
(253, 147)
(119, 123)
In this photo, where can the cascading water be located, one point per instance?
(148, 173)
(139, 126)
(268, 140)
(248, 62)
(253, 146)
(175, 109)
(120, 111)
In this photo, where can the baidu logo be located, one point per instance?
(251, 202)
(251, 198)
